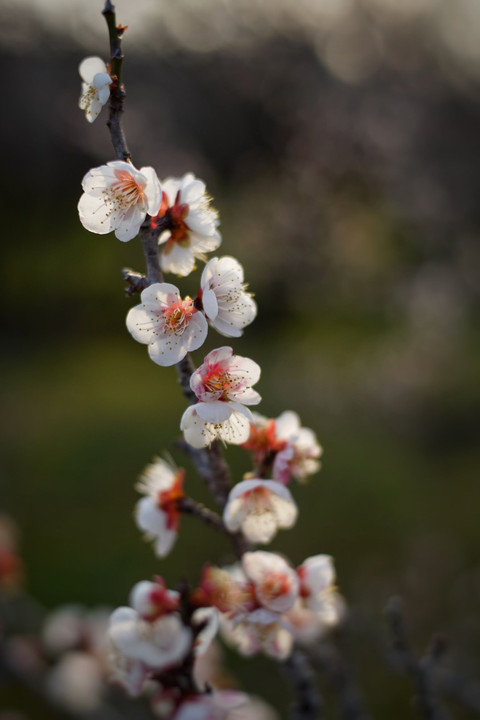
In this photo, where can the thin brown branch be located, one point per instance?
(330, 659)
(117, 90)
(308, 704)
(420, 671)
(136, 281)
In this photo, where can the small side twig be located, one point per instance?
(136, 281)
(420, 671)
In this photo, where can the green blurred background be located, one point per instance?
(340, 140)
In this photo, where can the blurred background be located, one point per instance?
(340, 140)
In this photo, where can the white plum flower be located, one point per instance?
(259, 508)
(318, 591)
(192, 224)
(159, 644)
(225, 303)
(95, 86)
(170, 326)
(299, 456)
(223, 386)
(158, 514)
(117, 197)
(258, 631)
(275, 582)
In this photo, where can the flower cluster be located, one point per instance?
(266, 605)
(261, 604)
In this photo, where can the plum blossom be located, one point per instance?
(192, 224)
(170, 326)
(299, 457)
(95, 86)
(258, 631)
(158, 514)
(223, 386)
(259, 508)
(225, 303)
(283, 447)
(117, 197)
(150, 634)
(318, 591)
(275, 582)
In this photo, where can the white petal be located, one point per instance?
(216, 411)
(152, 189)
(210, 304)
(89, 67)
(179, 260)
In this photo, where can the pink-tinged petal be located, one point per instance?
(210, 304)
(218, 355)
(89, 67)
(153, 190)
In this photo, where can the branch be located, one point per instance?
(329, 658)
(308, 704)
(117, 90)
(420, 671)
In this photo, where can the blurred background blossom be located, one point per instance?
(340, 141)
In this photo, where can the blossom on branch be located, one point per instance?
(192, 224)
(259, 508)
(95, 86)
(284, 448)
(227, 305)
(158, 514)
(299, 457)
(117, 197)
(170, 326)
(149, 636)
(223, 386)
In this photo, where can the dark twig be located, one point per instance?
(420, 671)
(329, 657)
(117, 90)
(136, 281)
(308, 704)
(192, 507)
